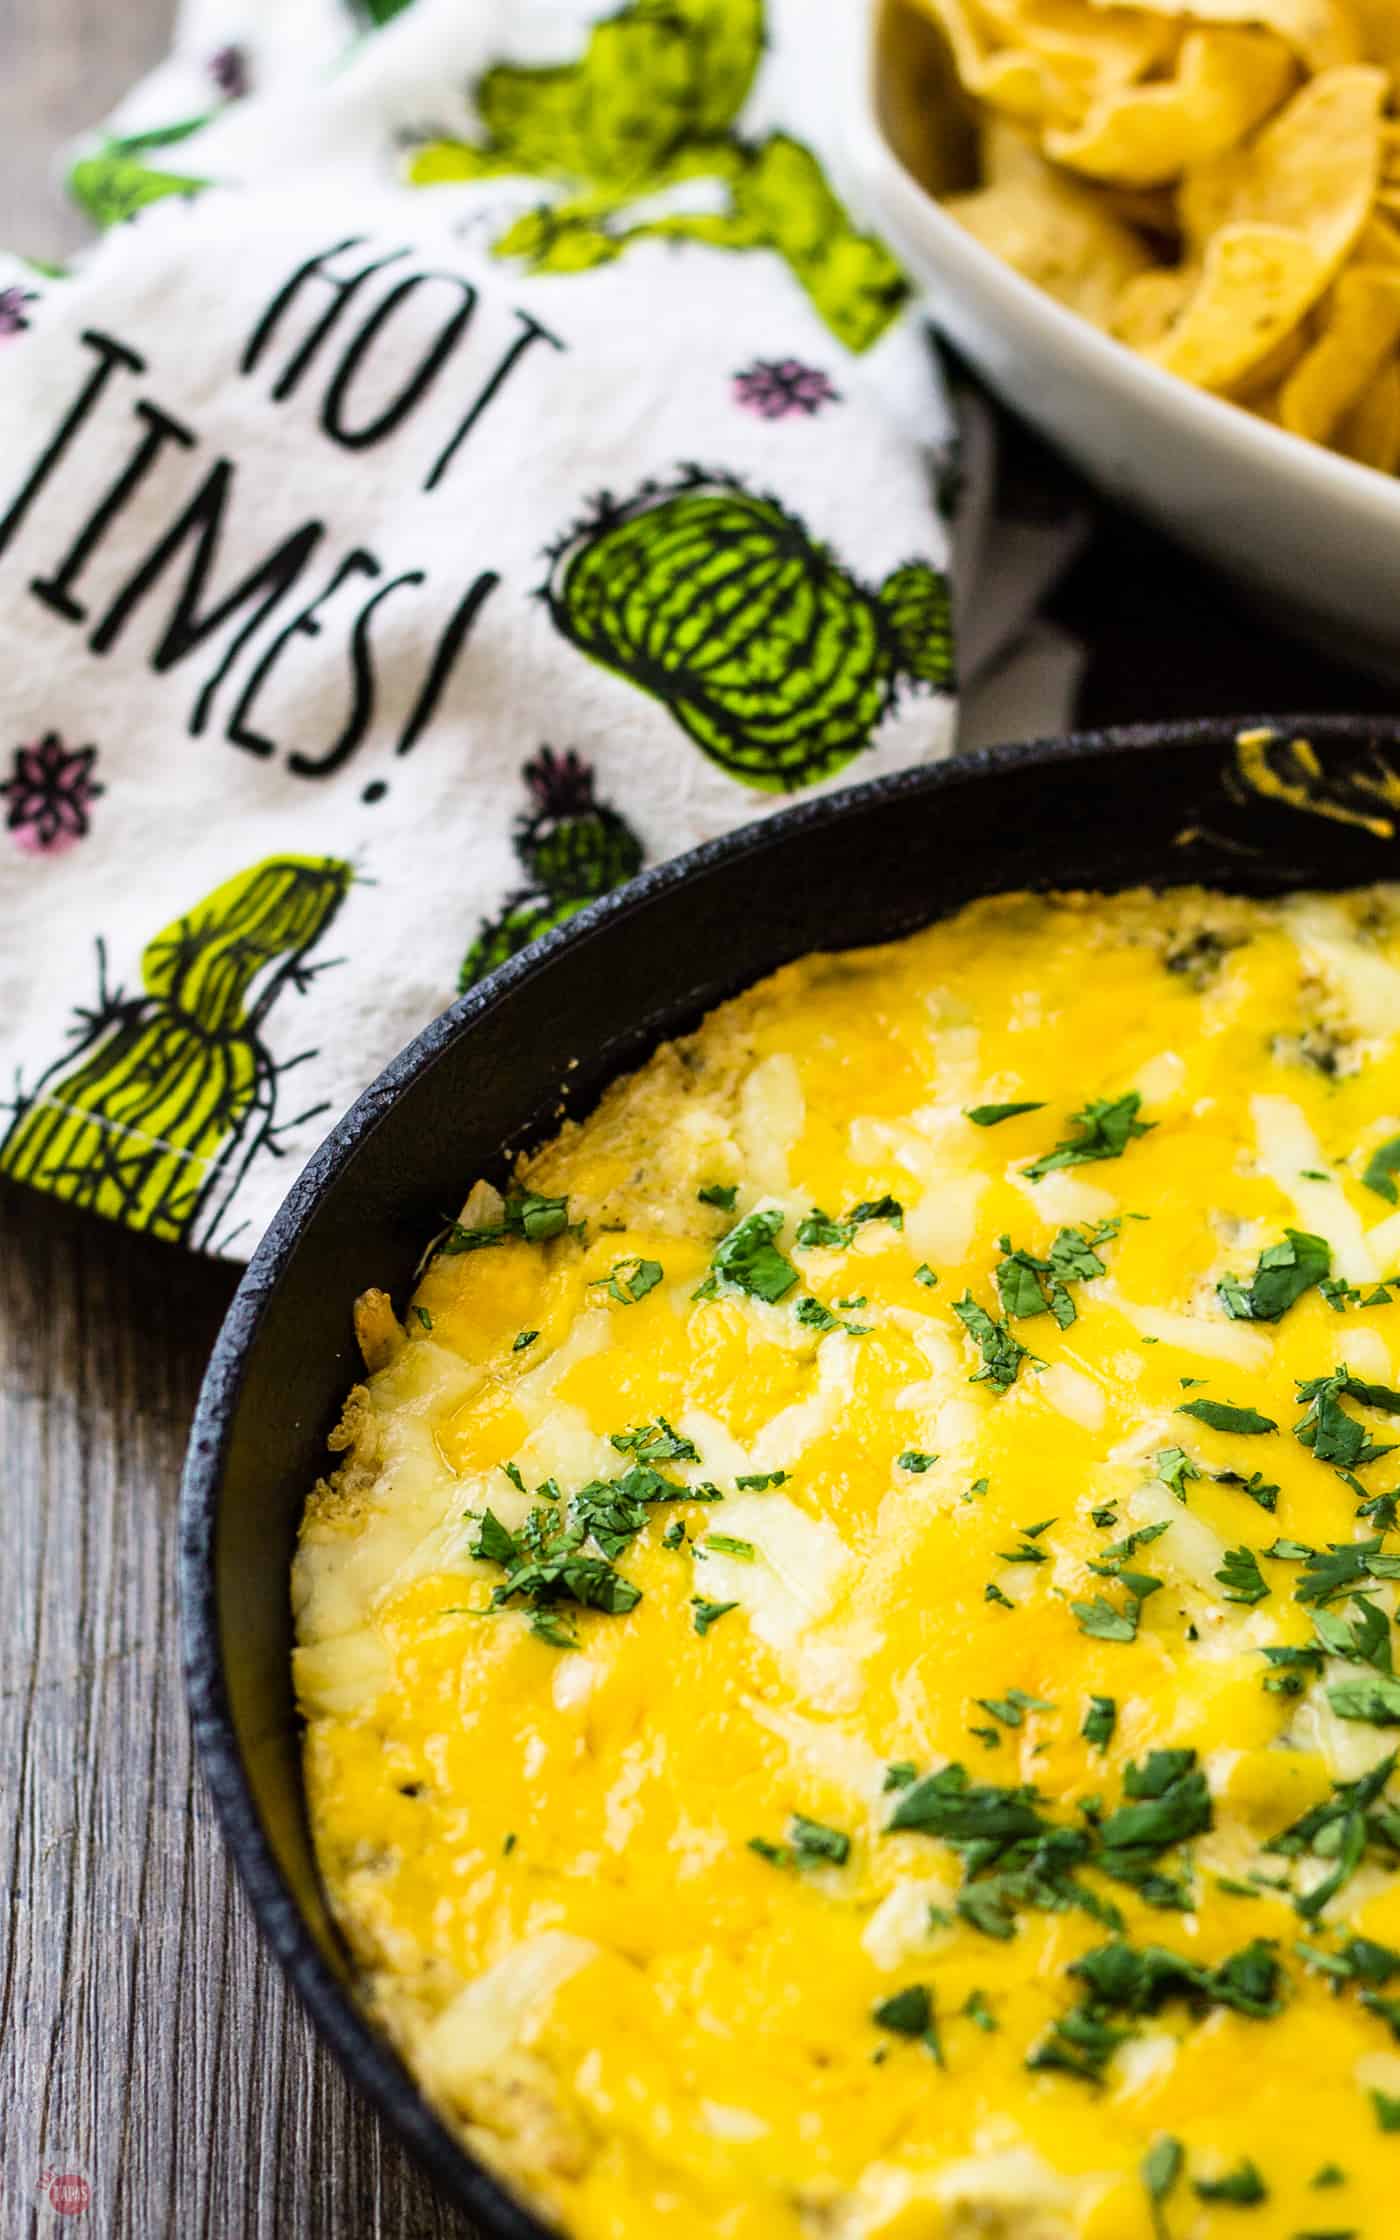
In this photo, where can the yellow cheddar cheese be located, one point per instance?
(847, 1649)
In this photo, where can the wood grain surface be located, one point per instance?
(147, 2044)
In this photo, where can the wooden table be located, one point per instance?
(147, 2044)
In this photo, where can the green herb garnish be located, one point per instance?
(1002, 1354)
(748, 1259)
(1285, 1271)
(992, 1115)
(1381, 1169)
(1099, 1721)
(1221, 1415)
(1103, 1130)
(708, 1614)
(524, 1214)
(819, 1229)
(630, 1279)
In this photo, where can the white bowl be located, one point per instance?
(1311, 537)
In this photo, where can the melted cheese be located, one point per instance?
(542, 1856)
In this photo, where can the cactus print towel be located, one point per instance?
(483, 452)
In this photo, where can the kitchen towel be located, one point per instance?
(483, 453)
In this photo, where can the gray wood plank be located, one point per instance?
(147, 2043)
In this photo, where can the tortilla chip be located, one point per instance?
(1262, 387)
(1323, 33)
(1016, 82)
(1370, 433)
(1079, 41)
(1226, 82)
(1256, 282)
(1314, 168)
(1378, 241)
(1379, 21)
(1048, 61)
(1149, 305)
(1056, 234)
(1361, 327)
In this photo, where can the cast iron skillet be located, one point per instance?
(1162, 805)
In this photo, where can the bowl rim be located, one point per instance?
(367, 2059)
(1112, 363)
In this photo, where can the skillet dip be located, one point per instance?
(846, 1648)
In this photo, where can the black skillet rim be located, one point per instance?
(366, 2058)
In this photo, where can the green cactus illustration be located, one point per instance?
(154, 1115)
(652, 104)
(113, 184)
(572, 849)
(763, 647)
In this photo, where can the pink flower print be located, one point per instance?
(12, 303)
(775, 388)
(50, 793)
(229, 70)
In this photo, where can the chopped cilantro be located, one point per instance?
(1241, 1577)
(760, 1481)
(1121, 1550)
(1079, 2044)
(1331, 2174)
(1381, 1169)
(820, 1229)
(902, 1774)
(815, 1843)
(909, 2014)
(547, 1627)
(1028, 1285)
(674, 1535)
(493, 1543)
(924, 1274)
(976, 2009)
(1339, 1833)
(1012, 1707)
(722, 1544)
(1243, 2186)
(992, 1593)
(630, 1279)
(512, 1471)
(721, 1194)
(991, 1115)
(1345, 1564)
(1284, 1273)
(1102, 1622)
(1222, 1415)
(1255, 1485)
(1387, 2110)
(1104, 1129)
(709, 1613)
(655, 1442)
(425, 1318)
(1099, 1721)
(524, 1214)
(523, 1339)
(544, 1564)
(1002, 1354)
(1332, 1434)
(914, 1458)
(1161, 2167)
(748, 1259)
(1376, 1701)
